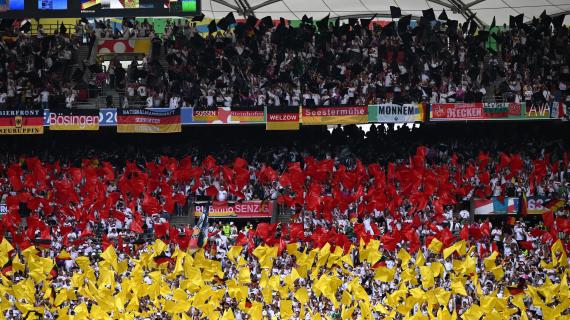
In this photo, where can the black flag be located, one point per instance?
(395, 12)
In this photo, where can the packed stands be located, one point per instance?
(462, 213)
(261, 62)
(370, 212)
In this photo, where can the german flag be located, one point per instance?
(16, 122)
(282, 118)
(163, 259)
(148, 121)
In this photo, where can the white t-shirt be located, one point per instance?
(69, 101)
(519, 233)
(222, 195)
(45, 96)
(142, 91)
(174, 102)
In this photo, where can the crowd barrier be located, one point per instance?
(165, 120)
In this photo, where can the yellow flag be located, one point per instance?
(384, 274)
(228, 315)
(286, 309)
(63, 255)
(498, 272)
(442, 296)
(5, 246)
(489, 262)
(446, 253)
(244, 276)
(435, 246)
(234, 253)
(265, 255)
(292, 248)
(323, 255)
(60, 297)
(158, 247)
(443, 314)
(427, 277)
(302, 295)
(347, 258)
(404, 256)
(347, 313)
(458, 287)
(420, 259)
(373, 252)
(110, 256)
(346, 298)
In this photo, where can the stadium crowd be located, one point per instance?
(357, 63)
(36, 70)
(380, 228)
(322, 63)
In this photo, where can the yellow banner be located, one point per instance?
(78, 120)
(22, 130)
(285, 125)
(334, 115)
(75, 127)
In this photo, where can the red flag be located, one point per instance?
(389, 241)
(486, 229)
(483, 159)
(160, 229)
(136, 227)
(526, 244)
(464, 234)
(548, 219)
(209, 163)
(212, 191)
(240, 163)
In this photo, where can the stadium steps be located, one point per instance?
(80, 55)
(163, 62)
(492, 86)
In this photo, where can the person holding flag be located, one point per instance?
(199, 237)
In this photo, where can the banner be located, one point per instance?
(79, 119)
(21, 122)
(334, 115)
(538, 111)
(282, 118)
(114, 46)
(540, 205)
(495, 111)
(396, 113)
(227, 115)
(245, 209)
(3, 209)
(148, 121)
(503, 111)
(107, 117)
(456, 111)
(495, 205)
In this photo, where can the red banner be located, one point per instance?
(246, 209)
(457, 111)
